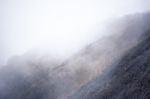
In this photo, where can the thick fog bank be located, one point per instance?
(35, 77)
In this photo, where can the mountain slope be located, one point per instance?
(26, 78)
(130, 79)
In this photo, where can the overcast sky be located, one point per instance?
(60, 27)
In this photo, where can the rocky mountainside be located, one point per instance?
(93, 73)
(99, 57)
(129, 79)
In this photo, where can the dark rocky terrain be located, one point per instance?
(129, 79)
(114, 67)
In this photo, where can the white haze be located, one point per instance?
(60, 27)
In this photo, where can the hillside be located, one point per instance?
(95, 72)
(129, 79)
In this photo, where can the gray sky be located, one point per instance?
(60, 27)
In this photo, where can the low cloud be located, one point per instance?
(43, 77)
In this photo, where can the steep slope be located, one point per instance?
(25, 78)
(130, 79)
(96, 58)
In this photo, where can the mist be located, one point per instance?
(33, 76)
(52, 49)
(58, 27)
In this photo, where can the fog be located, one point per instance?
(57, 27)
(40, 76)
(126, 78)
(51, 49)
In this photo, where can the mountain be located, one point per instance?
(128, 79)
(87, 74)
(98, 58)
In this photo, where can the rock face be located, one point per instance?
(113, 67)
(129, 79)
(99, 56)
